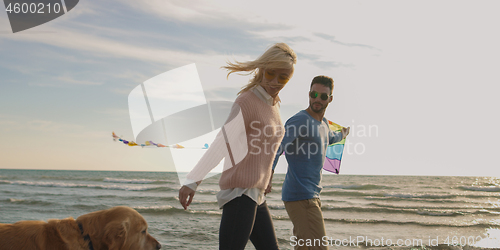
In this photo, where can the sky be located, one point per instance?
(416, 81)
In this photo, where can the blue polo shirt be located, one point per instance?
(304, 144)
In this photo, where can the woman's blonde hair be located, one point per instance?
(278, 56)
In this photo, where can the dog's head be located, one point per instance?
(118, 228)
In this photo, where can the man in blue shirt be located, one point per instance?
(307, 136)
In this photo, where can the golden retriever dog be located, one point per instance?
(117, 228)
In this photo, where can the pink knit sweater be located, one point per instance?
(264, 132)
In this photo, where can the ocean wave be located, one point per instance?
(198, 236)
(442, 213)
(104, 179)
(89, 208)
(155, 209)
(448, 210)
(415, 211)
(409, 197)
(407, 223)
(68, 178)
(496, 208)
(207, 191)
(133, 181)
(28, 202)
(446, 198)
(280, 217)
(95, 186)
(207, 212)
(481, 188)
(481, 196)
(71, 178)
(422, 196)
(348, 193)
(424, 207)
(488, 211)
(360, 187)
(214, 202)
(168, 210)
(277, 183)
(389, 196)
(169, 198)
(276, 207)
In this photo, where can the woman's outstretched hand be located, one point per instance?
(186, 196)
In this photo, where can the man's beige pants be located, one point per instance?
(308, 224)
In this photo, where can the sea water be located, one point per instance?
(368, 212)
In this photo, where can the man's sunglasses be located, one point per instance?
(270, 75)
(323, 96)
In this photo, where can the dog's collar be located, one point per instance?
(86, 237)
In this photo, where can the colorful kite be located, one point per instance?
(334, 151)
(150, 143)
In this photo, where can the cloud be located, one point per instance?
(64, 81)
(49, 126)
(333, 40)
(226, 13)
(102, 47)
(185, 33)
(24, 128)
(27, 125)
(113, 111)
(222, 93)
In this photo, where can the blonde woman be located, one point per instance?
(248, 142)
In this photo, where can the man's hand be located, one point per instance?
(268, 189)
(345, 132)
(270, 185)
(186, 196)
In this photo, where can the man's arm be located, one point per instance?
(292, 127)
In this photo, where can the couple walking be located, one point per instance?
(254, 124)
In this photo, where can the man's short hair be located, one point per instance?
(323, 80)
